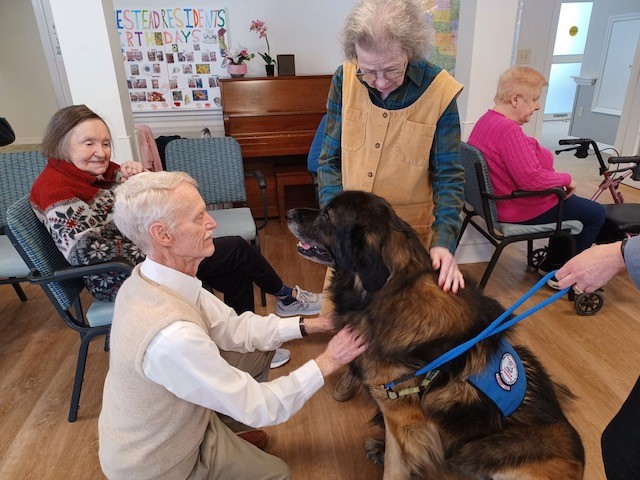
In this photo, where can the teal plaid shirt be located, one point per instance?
(447, 174)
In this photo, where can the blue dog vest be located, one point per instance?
(504, 381)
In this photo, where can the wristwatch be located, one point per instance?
(303, 329)
(622, 245)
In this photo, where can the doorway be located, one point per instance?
(566, 63)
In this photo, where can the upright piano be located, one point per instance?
(274, 119)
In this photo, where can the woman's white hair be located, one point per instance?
(144, 199)
(519, 80)
(375, 24)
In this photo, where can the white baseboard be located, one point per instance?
(473, 248)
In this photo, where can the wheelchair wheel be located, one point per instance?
(537, 257)
(589, 303)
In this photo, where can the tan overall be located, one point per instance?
(386, 152)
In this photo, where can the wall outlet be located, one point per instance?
(580, 111)
(524, 56)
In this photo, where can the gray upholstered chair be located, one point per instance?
(18, 171)
(480, 204)
(62, 284)
(216, 164)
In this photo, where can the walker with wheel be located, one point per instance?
(623, 219)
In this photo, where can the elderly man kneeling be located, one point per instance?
(168, 374)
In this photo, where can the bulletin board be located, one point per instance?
(172, 55)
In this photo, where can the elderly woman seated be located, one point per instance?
(74, 196)
(518, 162)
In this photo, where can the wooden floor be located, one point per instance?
(597, 357)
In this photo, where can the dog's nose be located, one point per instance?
(290, 214)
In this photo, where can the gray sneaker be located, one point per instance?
(281, 357)
(307, 303)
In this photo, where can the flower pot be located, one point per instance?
(237, 70)
(271, 70)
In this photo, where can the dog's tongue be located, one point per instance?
(304, 246)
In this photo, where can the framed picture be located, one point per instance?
(286, 65)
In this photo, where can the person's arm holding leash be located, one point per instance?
(592, 268)
(589, 271)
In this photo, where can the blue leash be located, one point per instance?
(496, 326)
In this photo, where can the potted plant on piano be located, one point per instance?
(235, 60)
(260, 28)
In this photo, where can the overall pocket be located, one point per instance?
(414, 145)
(354, 123)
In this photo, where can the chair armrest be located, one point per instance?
(80, 271)
(262, 184)
(560, 192)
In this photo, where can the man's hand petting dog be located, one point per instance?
(343, 348)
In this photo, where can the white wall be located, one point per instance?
(601, 127)
(93, 62)
(537, 29)
(27, 97)
(483, 53)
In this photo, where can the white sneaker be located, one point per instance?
(307, 303)
(281, 357)
(553, 283)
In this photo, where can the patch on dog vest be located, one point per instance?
(504, 381)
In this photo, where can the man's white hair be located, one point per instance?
(144, 199)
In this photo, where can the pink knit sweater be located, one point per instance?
(516, 162)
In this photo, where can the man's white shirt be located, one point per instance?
(186, 360)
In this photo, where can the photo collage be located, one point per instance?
(173, 69)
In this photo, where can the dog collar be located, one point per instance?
(423, 386)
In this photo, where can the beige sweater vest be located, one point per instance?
(145, 431)
(386, 152)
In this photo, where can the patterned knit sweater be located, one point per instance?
(76, 207)
(516, 162)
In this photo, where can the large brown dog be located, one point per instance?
(384, 285)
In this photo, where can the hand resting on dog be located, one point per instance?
(342, 349)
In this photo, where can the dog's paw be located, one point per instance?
(374, 449)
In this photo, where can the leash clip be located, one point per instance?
(423, 386)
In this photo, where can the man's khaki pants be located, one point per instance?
(224, 455)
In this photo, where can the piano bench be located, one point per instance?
(288, 175)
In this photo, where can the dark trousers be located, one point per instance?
(621, 440)
(233, 269)
(591, 214)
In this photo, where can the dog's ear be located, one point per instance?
(368, 262)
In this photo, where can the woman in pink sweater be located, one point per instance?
(519, 162)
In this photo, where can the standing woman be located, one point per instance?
(393, 129)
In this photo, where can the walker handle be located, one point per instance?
(574, 141)
(634, 159)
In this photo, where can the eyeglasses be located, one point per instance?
(394, 75)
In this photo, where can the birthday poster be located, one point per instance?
(172, 56)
